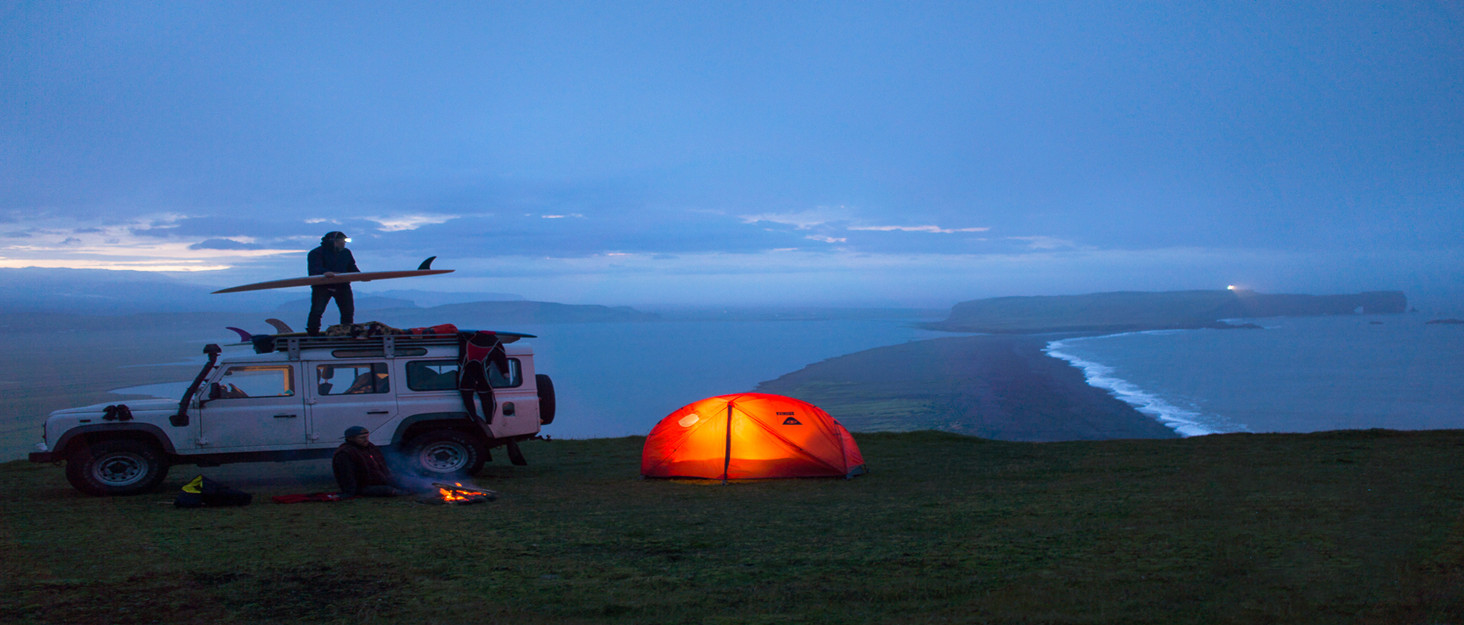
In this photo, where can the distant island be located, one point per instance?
(1130, 311)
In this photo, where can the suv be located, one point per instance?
(292, 399)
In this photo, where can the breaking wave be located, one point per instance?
(1183, 421)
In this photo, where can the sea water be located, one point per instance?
(620, 379)
(1292, 375)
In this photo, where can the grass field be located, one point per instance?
(1348, 527)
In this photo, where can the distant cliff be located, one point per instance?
(1126, 311)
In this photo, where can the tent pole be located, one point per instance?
(727, 452)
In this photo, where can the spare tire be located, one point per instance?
(546, 398)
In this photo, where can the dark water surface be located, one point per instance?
(611, 379)
(1295, 375)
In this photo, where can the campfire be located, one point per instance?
(461, 495)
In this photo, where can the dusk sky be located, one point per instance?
(755, 153)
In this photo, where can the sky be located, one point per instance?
(744, 153)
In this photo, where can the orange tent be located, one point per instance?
(751, 435)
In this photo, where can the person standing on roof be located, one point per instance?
(329, 259)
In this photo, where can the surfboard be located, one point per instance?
(341, 278)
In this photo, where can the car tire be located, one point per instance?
(116, 467)
(545, 387)
(445, 453)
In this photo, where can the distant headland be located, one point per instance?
(1129, 310)
(1004, 386)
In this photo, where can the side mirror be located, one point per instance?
(215, 391)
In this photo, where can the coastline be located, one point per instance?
(1183, 422)
(1003, 387)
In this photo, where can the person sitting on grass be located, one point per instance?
(360, 468)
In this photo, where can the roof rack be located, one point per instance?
(393, 344)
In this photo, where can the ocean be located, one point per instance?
(611, 379)
(1294, 375)
(1302, 374)
(620, 379)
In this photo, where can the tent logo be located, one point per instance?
(791, 421)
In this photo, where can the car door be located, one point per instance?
(518, 401)
(253, 407)
(343, 394)
(432, 387)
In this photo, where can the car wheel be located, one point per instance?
(117, 467)
(545, 387)
(445, 453)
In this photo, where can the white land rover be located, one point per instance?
(292, 399)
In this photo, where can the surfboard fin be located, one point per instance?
(280, 326)
(243, 335)
(426, 264)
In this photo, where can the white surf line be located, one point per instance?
(1183, 422)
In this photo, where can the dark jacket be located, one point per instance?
(325, 258)
(359, 467)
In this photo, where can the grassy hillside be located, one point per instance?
(1321, 528)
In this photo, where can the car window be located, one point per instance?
(256, 381)
(442, 375)
(432, 375)
(352, 379)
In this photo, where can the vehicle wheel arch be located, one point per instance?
(88, 435)
(419, 424)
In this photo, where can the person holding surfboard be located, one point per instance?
(329, 259)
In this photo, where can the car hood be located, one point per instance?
(135, 405)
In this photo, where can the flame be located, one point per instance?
(451, 495)
(460, 493)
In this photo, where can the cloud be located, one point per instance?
(802, 220)
(401, 223)
(840, 225)
(146, 243)
(1045, 243)
(934, 279)
(224, 244)
(930, 229)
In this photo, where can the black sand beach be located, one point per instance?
(996, 386)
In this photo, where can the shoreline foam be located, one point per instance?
(1184, 422)
(1001, 387)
